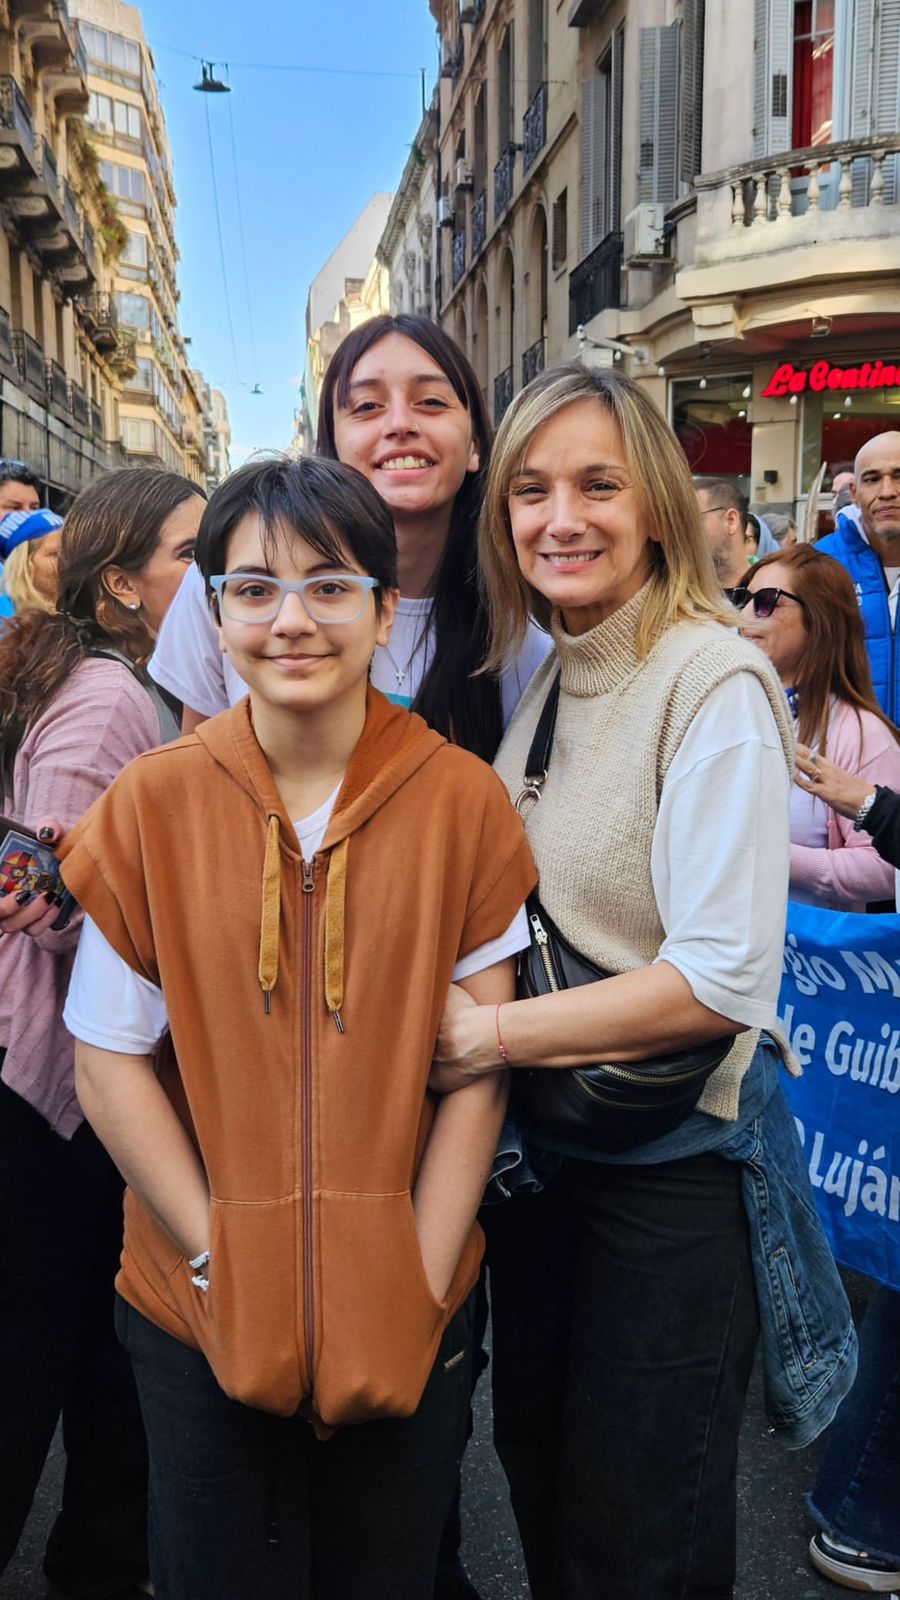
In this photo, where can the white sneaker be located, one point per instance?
(853, 1569)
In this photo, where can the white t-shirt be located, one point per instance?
(188, 662)
(111, 1006)
(721, 886)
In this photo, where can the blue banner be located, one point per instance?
(840, 1008)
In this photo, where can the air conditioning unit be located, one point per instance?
(100, 126)
(644, 237)
(446, 212)
(465, 177)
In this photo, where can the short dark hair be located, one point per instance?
(725, 494)
(12, 471)
(324, 502)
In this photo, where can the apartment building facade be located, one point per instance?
(160, 413)
(715, 188)
(61, 354)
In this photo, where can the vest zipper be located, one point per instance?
(543, 944)
(306, 1097)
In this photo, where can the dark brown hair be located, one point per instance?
(117, 522)
(835, 661)
(460, 705)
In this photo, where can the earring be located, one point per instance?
(135, 605)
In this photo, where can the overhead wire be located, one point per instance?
(242, 238)
(218, 212)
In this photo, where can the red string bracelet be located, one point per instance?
(502, 1051)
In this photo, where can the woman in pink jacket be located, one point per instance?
(800, 608)
(75, 706)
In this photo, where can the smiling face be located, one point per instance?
(293, 663)
(405, 429)
(575, 520)
(44, 563)
(783, 636)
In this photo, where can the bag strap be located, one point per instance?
(538, 763)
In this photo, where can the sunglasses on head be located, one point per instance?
(764, 600)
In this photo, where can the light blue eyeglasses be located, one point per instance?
(255, 597)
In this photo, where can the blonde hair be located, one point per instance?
(18, 579)
(683, 584)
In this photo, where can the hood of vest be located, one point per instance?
(393, 745)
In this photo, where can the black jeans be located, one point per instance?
(60, 1240)
(248, 1506)
(625, 1324)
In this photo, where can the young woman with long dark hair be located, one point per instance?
(75, 706)
(401, 403)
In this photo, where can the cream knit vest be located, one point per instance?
(620, 722)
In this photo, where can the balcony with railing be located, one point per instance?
(101, 320)
(534, 128)
(596, 283)
(479, 224)
(503, 392)
(458, 256)
(78, 404)
(124, 357)
(50, 170)
(7, 351)
(57, 386)
(503, 180)
(16, 130)
(30, 362)
(74, 220)
(532, 361)
(826, 210)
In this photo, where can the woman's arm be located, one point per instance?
(646, 1012)
(132, 1116)
(461, 1146)
(850, 868)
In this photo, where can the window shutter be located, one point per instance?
(886, 96)
(658, 113)
(773, 49)
(588, 93)
(862, 98)
(615, 152)
(690, 134)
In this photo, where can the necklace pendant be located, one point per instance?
(400, 676)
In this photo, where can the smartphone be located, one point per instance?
(26, 864)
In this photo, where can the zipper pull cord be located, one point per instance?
(335, 899)
(270, 916)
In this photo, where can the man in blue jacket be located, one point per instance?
(871, 553)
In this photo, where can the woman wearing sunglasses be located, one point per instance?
(800, 608)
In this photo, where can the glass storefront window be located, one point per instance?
(711, 418)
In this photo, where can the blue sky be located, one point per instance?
(311, 147)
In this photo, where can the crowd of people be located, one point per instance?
(330, 979)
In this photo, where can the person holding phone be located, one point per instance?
(301, 1246)
(75, 706)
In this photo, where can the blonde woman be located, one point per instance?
(624, 1294)
(29, 549)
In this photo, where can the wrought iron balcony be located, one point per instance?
(479, 224)
(458, 260)
(30, 360)
(78, 402)
(57, 385)
(596, 283)
(16, 128)
(50, 171)
(7, 353)
(101, 319)
(124, 357)
(503, 180)
(503, 393)
(534, 128)
(72, 214)
(532, 361)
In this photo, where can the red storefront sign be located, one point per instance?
(824, 376)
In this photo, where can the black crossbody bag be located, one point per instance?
(613, 1106)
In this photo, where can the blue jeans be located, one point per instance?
(856, 1496)
(248, 1506)
(625, 1323)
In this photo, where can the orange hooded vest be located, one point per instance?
(303, 1005)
